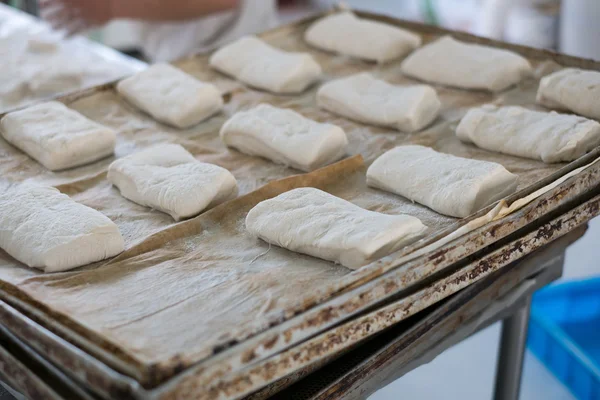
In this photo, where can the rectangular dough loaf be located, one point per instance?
(517, 131)
(254, 62)
(447, 184)
(56, 136)
(171, 96)
(168, 178)
(284, 137)
(347, 34)
(572, 89)
(465, 65)
(363, 98)
(313, 222)
(46, 229)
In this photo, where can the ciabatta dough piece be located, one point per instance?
(45, 229)
(447, 184)
(572, 89)
(363, 98)
(517, 131)
(468, 66)
(56, 136)
(284, 137)
(169, 179)
(262, 66)
(347, 34)
(310, 221)
(171, 96)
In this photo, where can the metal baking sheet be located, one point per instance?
(498, 283)
(499, 286)
(203, 292)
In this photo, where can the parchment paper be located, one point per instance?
(182, 290)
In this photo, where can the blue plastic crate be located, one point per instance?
(564, 333)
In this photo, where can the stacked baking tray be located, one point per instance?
(201, 309)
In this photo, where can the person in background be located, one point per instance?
(170, 29)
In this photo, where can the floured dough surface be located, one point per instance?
(313, 222)
(285, 137)
(345, 33)
(447, 184)
(363, 98)
(517, 131)
(572, 89)
(171, 96)
(56, 136)
(46, 229)
(262, 66)
(168, 178)
(450, 62)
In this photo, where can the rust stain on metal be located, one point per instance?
(248, 356)
(390, 286)
(271, 342)
(288, 336)
(438, 256)
(547, 231)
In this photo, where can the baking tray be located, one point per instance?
(256, 301)
(296, 361)
(355, 366)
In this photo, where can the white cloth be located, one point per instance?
(167, 41)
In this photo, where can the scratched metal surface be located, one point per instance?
(338, 296)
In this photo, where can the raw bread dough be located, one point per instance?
(262, 66)
(168, 178)
(366, 99)
(46, 229)
(284, 137)
(447, 184)
(517, 131)
(171, 96)
(310, 221)
(464, 65)
(56, 136)
(572, 89)
(345, 33)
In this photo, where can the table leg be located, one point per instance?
(511, 354)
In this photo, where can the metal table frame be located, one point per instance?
(511, 353)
